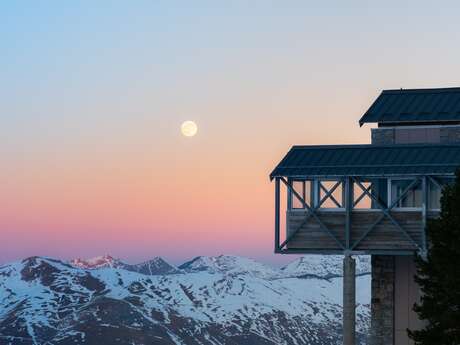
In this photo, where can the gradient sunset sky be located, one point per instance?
(93, 93)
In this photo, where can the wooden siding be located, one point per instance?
(384, 236)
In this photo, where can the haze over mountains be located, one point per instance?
(207, 300)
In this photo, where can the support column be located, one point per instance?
(277, 215)
(383, 299)
(349, 300)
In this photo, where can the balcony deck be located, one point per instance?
(310, 236)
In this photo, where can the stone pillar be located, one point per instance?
(349, 300)
(382, 302)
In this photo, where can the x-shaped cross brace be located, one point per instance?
(386, 212)
(329, 193)
(362, 196)
(312, 212)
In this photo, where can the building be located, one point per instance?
(374, 199)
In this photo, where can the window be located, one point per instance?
(332, 193)
(377, 187)
(412, 199)
(434, 196)
(303, 188)
(313, 192)
(434, 190)
(360, 199)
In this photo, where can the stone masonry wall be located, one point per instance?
(387, 136)
(450, 135)
(393, 288)
(383, 136)
(382, 303)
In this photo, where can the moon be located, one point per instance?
(189, 129)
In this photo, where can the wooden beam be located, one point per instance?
(277, 215)
(329, 251)
(289, 195)
(424, 211)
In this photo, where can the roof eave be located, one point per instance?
(376, 175)
(361, 122)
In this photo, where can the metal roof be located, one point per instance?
(415, 105)
(369, 160)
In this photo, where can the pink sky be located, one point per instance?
(92, 158)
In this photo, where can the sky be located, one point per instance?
(92, 96)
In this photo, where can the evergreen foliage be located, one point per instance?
(438, 275)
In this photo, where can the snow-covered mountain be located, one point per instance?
(96, 262)
(210, 301)
(230, 265)
(325, 266)
(156, 266)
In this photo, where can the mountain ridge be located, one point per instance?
(48, 301)
(155, 266)
(324, 266)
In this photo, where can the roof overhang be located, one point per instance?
(334, 161)
(411, 106)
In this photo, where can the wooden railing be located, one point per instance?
(306, 232)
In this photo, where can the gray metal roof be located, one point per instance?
(415, 105)
(369, 160)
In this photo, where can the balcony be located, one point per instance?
(355, 202)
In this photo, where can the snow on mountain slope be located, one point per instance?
(324, 266)
(46, 301)
(228, 264)
(156, 266)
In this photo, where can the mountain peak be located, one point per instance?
(96, 262)
(155, 266)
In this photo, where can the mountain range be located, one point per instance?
(155, 266)
(221, 300)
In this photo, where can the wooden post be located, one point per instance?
(289, 194)
(348, 199)
(277, 215)
(424, 213)
(349, 300)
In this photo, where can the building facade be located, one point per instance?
(374, 199)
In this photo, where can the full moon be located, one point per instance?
(189, 128)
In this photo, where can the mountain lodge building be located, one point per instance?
(374, 199)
